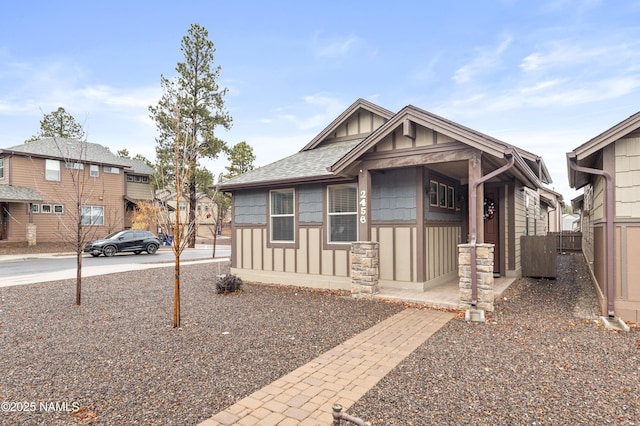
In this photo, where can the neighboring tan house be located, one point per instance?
(38, 197)
(206, 212)
(608, 168)
(139, 188)
(403, 180)
(552, 203)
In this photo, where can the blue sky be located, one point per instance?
(545, 76)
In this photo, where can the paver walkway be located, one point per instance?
(341, 375)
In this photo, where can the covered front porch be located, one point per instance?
(442, 296)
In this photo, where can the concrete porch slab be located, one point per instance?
(443, 296)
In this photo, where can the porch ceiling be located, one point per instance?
(458, 170)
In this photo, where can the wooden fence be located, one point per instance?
(567, 240)
(539, 253)
(538, 256)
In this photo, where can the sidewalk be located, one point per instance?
(341, 375)
(89, 271)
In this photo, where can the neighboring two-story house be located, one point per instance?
(46, 185)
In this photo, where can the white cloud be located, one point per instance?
(563, 54)
(485, 60)
(337, 47)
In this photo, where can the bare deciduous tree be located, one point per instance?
(183, 228)
(87, 207)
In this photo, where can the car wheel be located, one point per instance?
(137, 252)
(152, 248)
(109, 251)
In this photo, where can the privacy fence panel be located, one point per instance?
(539, 256)
(568, 240)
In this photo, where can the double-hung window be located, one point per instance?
(52, 170)
(282, 215)
(343, 213)
(92, 215)
(1, 168)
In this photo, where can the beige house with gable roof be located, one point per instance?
(402, 180)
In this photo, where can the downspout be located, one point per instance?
(473, 227)
(609, 206)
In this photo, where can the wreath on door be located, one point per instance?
(489, 209)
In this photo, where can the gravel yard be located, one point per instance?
(542, 358)
(119, 361)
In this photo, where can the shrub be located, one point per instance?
(228, 283)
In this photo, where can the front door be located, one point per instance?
(492, 224)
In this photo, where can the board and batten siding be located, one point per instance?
(361, 123)
(424, 137)
(308, 264)
(311, 261)
(627, 225)
(399, 254)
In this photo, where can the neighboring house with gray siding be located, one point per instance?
(607, 168)
(400, 179)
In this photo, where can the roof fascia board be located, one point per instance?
(284, 182)
(360, 103)
(524, 168)
(608, 136)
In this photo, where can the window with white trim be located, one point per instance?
(112, 170)
(282, 215)
(94, 170)
(58, 208)
(343, 213)
(52, 170)
(92, 215)
(35, 208)
(1, 168)
(73, 165)
(45, 208)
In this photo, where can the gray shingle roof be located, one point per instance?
(139, 167)
(10, 193)
(70, 149)
(303, 164)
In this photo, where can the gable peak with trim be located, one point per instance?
(365, 127)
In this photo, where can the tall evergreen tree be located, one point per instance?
(241, 158)
(59, 124)
(202, 110)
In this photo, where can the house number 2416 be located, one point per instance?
(363, 206)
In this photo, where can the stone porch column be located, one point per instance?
(484, 266)
(365, 270)
(31, 234)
